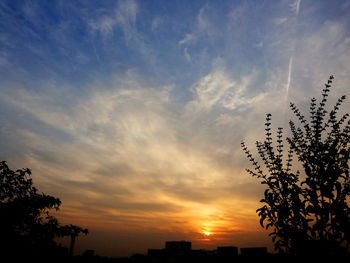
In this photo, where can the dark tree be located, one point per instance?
(26, 226)
(309, 208)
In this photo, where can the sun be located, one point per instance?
(206, 233)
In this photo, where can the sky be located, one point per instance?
(132, 112)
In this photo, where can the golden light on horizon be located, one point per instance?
(206, 233)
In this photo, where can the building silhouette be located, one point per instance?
(227, 251)
(181, 251)
(178, 247)
(253, 251)
(174, 251)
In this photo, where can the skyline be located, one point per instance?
(132, 112)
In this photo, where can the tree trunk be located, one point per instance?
(72, 242)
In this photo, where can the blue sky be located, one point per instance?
(132, 112)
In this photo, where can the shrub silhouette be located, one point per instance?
(309, 209)
(26, 226)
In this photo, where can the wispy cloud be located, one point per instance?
(123, 16)
(156, 22)
(187, 39)
(280, 21)
(219, 89)
(105, 25)
(202, 28)
(187, 54)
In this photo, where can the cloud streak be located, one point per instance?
(290, 66)
(296, 6)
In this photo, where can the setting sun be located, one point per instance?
(206, 233)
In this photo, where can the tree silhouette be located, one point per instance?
(25, 223)
(312, 206)
(73, 232)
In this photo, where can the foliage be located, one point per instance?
(25, 222)
(313, 205)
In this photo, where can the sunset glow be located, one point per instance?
(132, 112)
